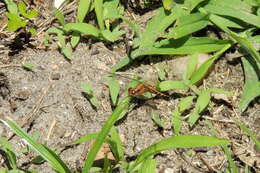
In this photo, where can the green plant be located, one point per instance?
(193, 76)
(107, 14)
(10, 158)
(170, 33)
(19, 17)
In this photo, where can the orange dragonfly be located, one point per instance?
(141, 88)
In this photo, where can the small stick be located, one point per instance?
(50, 129)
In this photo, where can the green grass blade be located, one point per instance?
(11, 6)
(122, 106)
(252, 85)
(9, 151)
(83, 9)
(245, 43)
(99, 13)
(117, 149)
(157, 25)
(42, 150)
(59, 15)
(189, 24)
(148, 166)
(83, 28)
(157, 119)
(249, 133)
(122, 63)
(203, 69)
(75, 38)
(176, 122)
(192, 4)
(233, 12)
(85, 138)
(181, 31)
(14, 22)
(232, 166)
(172, 84)
(114, 88)
(183, 141)
(201, 103)
(89, 91)
(179, 51)
(191, 67)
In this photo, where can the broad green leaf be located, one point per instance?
(148, 166)
(157, 119)
(191, 67)
(168, 4)
(180, 46)
(29, 14)
(122, 63)
(27, 65)
(188, 24)
(75, 39)
(83, 28)
(99, 13)
(189, 41)
(184, 30)
(203, 69)
(186, 45)
(182, 141)
(14, 22)
(114, 88)
(12, 7)
(112, 36)
(83, 9)
(252, 85)
(59, 15)
(162, 74)
(122, 106)
(9, 152)
(201, 103)
(245, 43)
(89, 91)
(176, 122)
(158, 24)
(176, 116)
(233, 12)
(42, 150)
(67, 51)
(110, 10)
(185, 103)
(191, 4)
(172, 84)
(54, 30)
(32, 30)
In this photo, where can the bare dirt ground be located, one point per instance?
(49, 100)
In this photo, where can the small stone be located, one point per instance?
(23, 95)
(168, 170)
(55, 76)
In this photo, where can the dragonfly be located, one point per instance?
(141, 88)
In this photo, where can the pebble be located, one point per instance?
(55, 76)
